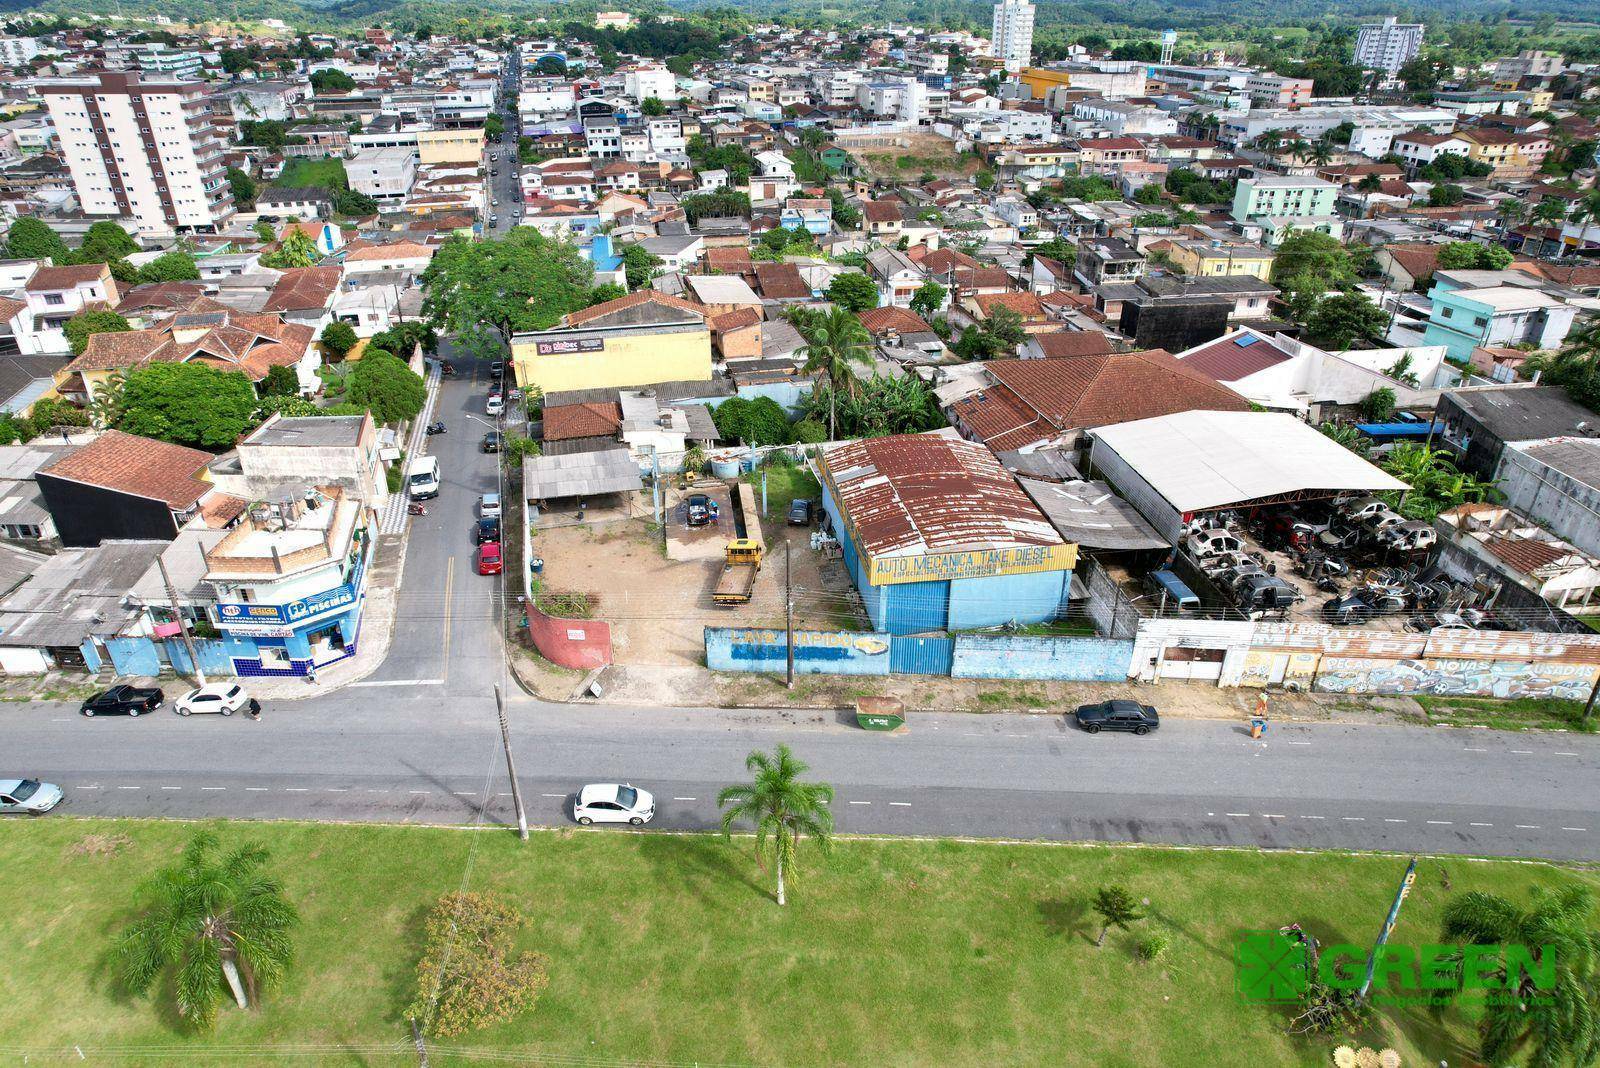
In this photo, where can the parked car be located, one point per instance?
(489, 506)
(1118, 716)
(614, 803)
(497, 369)
(493, 441)
(223, 698)
(29, 796)
(800, 512)
(124, 701)
(494, 405)
(488, 529)
(489, 561)
(699, 509)
(1212, 541)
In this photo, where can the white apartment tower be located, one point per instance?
(1388, 45)
(143, 150)
(1013, 33)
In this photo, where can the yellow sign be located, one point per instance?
(976, 563)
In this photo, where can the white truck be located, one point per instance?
(422, 478)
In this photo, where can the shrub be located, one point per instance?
(1151, 947)
(810, 432)
(468, 976)
(395, 476)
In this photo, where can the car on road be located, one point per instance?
(124, 701)
(497, 369)
(489, 505)
(494, 405)
(800, 512)
(1118, 716)
(29, 796)
(494, 220)
(493, 441)
(610, 802)
(223, 698)
(489, 561)
(487, 529)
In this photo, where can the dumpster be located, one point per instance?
(880, 713)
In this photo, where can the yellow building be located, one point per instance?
(636, 340)
(1212, 259)
(450, 146)
(1042, 79)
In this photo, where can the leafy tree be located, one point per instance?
(810, 432)
(173, 266)
(1149, 193)
(191, 404)
(1315, 255)
(470, 974)
(103, 242)
(1445, 195)
(81, 326)
(296, 250)
(338, 338)
(217, 922)
(853, 291)
(639, 265)
(997, 336)
(386, 387)
(652, 106)
(752, 422)
(928, 299)
(1552, 1027)
(845, 214)
(1379, 405)
(30, 239)
(403, 338)
(329, 80)
(602, 293)
(724, 203)
(244, 189)
(1473, 256)
(494, 127)
(484, 291)
(1436, 484)
(783, 809)
(1059, 249)
(280, 381)
(836, 345)
(1451, 167)
(264, 232)
(1344, 318)
(877, 407)
(1117, 908)
(984, 179)
(353, 202)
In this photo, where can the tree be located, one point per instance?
(752, 422)
(652, 106)
(104, 242)
(639, 265)
(264, 232)
(470, 974)
(853, 291)
(338, 338)
(1379, 405)
(402, 339)
(1117, 908)
(996, 336)
(296, 250)
(1549, 1026)
(928, 299)
(173, 266)
(1473, 256)
(1445, 195)
(494, 127)
(30, 239)
(353, 202)
(1587, 212)
(191, 404)
(244, 189)
(329, 80)
(1315, 255)
(383, 385)
(1344, 318)
(783, 809)
(81, 326)
(280, 381)
(217, 922)
(876, 407)
(1149, 193)
(845, 214)
(724, 203)
(836, 345)
(1511, 212)
(484, 291)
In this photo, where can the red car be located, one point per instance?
(489, 558)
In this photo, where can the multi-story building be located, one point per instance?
(1013, 33)
(1284, 203)
(1388, 45)
(1277, 91)
(17, 51)
(143, 150)
(641, 81)
(1511, 71)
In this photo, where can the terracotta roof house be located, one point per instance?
(1035, 401)
(304, 293)
(781, 281)
(633, 300)
(1059, 344)
(122, 487)
(879, 321)
(1408, 264)
(583, 427)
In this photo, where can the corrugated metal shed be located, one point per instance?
(586, 474)
(918, 494)
(1090, 514)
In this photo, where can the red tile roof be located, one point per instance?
(880, 320)
(564, 422)
(140, 467)
(303, 289)
(48, 279)
(1026, 305)
(1063, 343)
(632, 300)
(781, 281)
(1235, 356)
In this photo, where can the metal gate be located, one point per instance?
(921, 656)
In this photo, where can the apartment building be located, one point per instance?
(1283, 203)
(1013, 33)
(1388, 45)
(142, 150)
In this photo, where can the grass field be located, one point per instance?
(327, 172)
(1522, 713)
(668, 948)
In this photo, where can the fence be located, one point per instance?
(1110, 610)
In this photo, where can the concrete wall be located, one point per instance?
(671, 355)
(815, 652)
(1483, 678)
(570, 643)
(1076, 659)
(1563, 505)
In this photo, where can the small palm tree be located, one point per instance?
(1511, 212)
(105, 406)
(1560, 1024)
(1549, 210)
(1117, 908)
(782, 808)
(1321, 153)
(836, 345)
(1587, 212)
(217, 921)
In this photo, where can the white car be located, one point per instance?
(489, 506)
(223, 697)
(28, 795)
(610, 802)
(494, 405)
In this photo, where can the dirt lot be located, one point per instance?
(925, 153)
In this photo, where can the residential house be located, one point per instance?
(120, 487)
(635, 340)
(55, 294)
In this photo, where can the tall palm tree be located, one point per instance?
(218, 921)
(782, 808)
(1560, 1025)
(1296, 147)
(1511, 212)
(1321, 153)
(836, 345)
(1270, 141)
(1587, 212)
(105, 406)
(1549, 210)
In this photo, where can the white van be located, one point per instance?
(422, 478)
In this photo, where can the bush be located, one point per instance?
(751, 422)
(395, 476)
(810, 432)
(1151, 947)
(85, 323)
(468, 976)
(1379, 405)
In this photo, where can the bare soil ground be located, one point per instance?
(924, 153)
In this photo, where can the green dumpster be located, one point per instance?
(880, 713)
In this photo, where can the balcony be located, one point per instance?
(286, 538)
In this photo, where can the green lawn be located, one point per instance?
(784, 484)
(1522, 713)
(327, 172)
(667, 948)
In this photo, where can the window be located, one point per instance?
(1479, 321)
(1447, 313)
(54, 298)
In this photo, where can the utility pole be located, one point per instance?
(511, 767)
(1588, 706)
(183, 628)
(788, 615)
(422, 1047)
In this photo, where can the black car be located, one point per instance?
(488, 529)
(698, 510)
(493, 441)
(497, 369)
(124, 701)
(1118, 716)
(800, 512)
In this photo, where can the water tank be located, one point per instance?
(725, 466)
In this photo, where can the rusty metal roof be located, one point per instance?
(918, 494)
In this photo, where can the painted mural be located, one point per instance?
(1460, 678)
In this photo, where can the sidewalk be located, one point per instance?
(393, 520)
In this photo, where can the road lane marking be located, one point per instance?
(1527, 826)
(1273, 816)
(449, 586)
(256, 789)
(1387, 819)
(1354, 819)
(1480, 825)
(419, 791)
(172, 787)
(213, 787)
(552, 795)
(901, 804)
(1441, 823)
(398, 682)
(86, 787)
(675, 798)
(861, 802)
(1313, 817)
(1236, 814)
(1523, 752)
(337, 790)
(1299, 743)
(465, 793)
(130, 787)
(1566, 754)
(1469, 749)
(296, 789)
(1574, 828)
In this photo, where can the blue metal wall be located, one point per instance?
(984, 656)
(994, 602)
(913, 607)
(871, 596)
(920, 655)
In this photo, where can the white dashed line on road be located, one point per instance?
(465, 793)
(1273, 816)
(1313, 817)
(419, 791)
(1469, 749)
(336, 790)
(686, 799)
(1236, 814)
(1574, 828)
(861, 802)
(1527, 826)
(213, 787)
(1440, 823)
(86, 787)
(1523, 752)
(901, 804)
(1480, 825)
(1299, 743)
(172, 787)
(130, 787)
(256, 789)
(552, 795)
(1388, 819)
(1567, 754)
(296, 789)
(1354, 819)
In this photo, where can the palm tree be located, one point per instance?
(217, 921)
(1560, 1023)
(836, 344)
(1117, 908)
(1270, 141)
(1321, 153)
(1549, 210)
(105, 406)
(1587, 212)
(782, 808)
(1296, 148)
(1511, 212)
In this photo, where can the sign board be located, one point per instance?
(570, 345)
(260, 630)
(972, 564)
(238, 618)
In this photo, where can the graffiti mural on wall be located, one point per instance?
(1461, 678)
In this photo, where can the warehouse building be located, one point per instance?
(938, 536)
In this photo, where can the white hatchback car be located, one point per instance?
(494, 405)
(28, 795)
(610, 802)
(223, 697)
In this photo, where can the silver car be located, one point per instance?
(28, 795)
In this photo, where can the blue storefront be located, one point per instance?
(297, 636)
